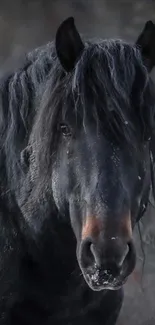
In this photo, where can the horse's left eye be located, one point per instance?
(65, 129)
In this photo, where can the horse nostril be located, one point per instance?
(87, 256)
(131, 254)
(128, 261)
(124, 256)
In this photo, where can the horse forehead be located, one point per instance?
(97, 154)
(99, 146)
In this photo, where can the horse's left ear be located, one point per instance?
(146, 43)
(69, 45)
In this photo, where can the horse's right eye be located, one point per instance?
(65, 129)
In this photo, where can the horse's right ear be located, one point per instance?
(69, 45)
(146, 43)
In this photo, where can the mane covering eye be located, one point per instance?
(65, 129)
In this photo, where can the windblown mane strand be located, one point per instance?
(20, 96)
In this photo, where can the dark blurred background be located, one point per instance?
(26, 24)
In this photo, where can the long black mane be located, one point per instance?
(109, 81)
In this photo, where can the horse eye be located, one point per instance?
(65, 129)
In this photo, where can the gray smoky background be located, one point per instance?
(26, 24)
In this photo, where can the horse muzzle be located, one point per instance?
(106, 258)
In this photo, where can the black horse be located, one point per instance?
(76, 170)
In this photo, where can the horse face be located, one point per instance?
(100, 184)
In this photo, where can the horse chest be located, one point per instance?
(70, 304)
(77, 304)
